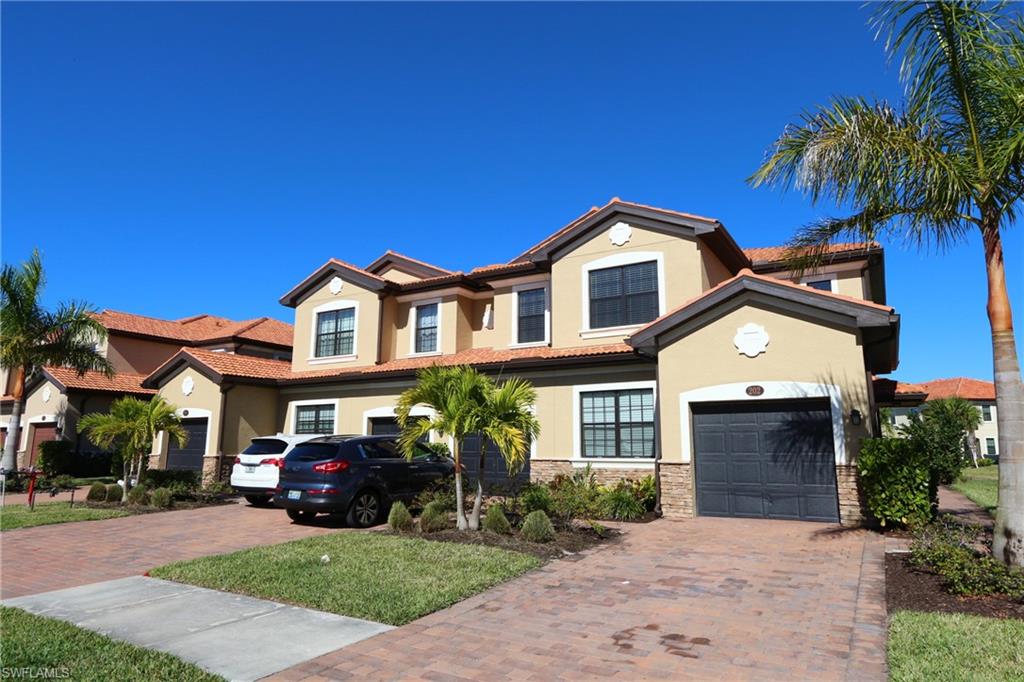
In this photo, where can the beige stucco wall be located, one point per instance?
(800, 350)
(713, 271)
(351, 404)
(851, 283)
(396, 274)
(367, 322)
(37, 410)
(482, 337)
(205, 396)
(404, 325)
(683, 279)
(138, 356)
(249, 411)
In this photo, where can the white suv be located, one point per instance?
(256, 469)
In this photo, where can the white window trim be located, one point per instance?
(773, 390)
(518, 289)
(612, 261)
(995, 446)
(830, 276)
(412, 328)
(326, 308)
(578, 459)
(293, 414)
(389, 411)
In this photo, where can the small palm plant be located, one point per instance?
(31, 337)
(130, 427)
(464, 402)
(948, 164)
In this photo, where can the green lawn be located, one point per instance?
(20, 516)
(940, 647)
(981, 485)
(371, 575)
(53, 649)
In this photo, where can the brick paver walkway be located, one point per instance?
(722, 599)
(53, 557)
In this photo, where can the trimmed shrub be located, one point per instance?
(443, 493)
(986, 462)
(495, 520)
(164, 478)
(114, 493)
(399, 518)
(97, 493)
(161, 497)
(537, 527)
(575, 496)
(535, 497)
(63, 482)
(138, 495)
(433, 518)
(646, 492)
(950, 549)
(900, 488)
(55, 457)
(621, 503)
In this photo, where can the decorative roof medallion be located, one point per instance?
(751, 340)
(336, 285)
(46, 394)
(620, 233)
(188, 385)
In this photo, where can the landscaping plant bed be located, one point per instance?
(914, 589)
(565, 544)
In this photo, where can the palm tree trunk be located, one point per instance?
(478, 501)
(460, 507)
(1008, 537)
(10, 458)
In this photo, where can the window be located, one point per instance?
(531, 316)
(820, 284)
(314, 419)
(618, 423)
(426, 328)
(335, 332)
(990, 446)
(624, 295)
(265, 446)
(986, 412)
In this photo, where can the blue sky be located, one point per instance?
(177, 158)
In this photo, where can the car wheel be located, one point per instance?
(258, 500)
(299, 516)
(365, 510)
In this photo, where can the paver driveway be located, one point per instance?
(701, 599)
(53, 557)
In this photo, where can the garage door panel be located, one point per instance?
(777, 456)
(190, 457)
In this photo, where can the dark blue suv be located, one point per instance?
(359, 476)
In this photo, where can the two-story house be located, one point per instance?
(56, 397)
(981, 394)
(656, 345)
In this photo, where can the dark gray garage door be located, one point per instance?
(496, 478)
(189, 457)
(770, 459)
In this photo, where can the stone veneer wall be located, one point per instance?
(676, 490)
(547, 469)
(851, 502)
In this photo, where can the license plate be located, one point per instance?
(250, 469)
(294, 494)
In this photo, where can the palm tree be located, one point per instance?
(130, 427)
(31, 337)
(505, 419)
(948, 162)
(464, 402)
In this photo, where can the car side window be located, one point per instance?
(381, 449)
(421, 451)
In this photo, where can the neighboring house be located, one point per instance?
(981, 394)
(651, 337)
(55, 397)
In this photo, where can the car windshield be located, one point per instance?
(265, 446)
(313, 452)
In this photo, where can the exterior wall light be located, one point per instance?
(855, 417)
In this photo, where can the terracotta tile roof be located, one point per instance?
(891, 390)
(199, 328)
(475, 356)
(775, 254)
(233, 365)
(356, 268)
(960, 387)
(122, 382)
(401, 256)
(596, 209)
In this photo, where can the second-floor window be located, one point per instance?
(624, 295)
(531, 314)
(426, 328)
(986, 412)
(335, 332)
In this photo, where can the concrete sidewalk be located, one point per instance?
(238, 637)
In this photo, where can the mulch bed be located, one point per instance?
(566, 545)
(136, 509)
(914, 589)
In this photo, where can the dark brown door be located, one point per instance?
(40, 433)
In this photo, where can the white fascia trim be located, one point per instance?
(412, 327)
(617, 463)
(418, 296)
(291, 416)
(195, 413)
(612, 261)
(514, 334)
(578, 390)
(328, 307)
(607, 332)
(525, 279)
(389, 411)
(773, 390)
(830, 276)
